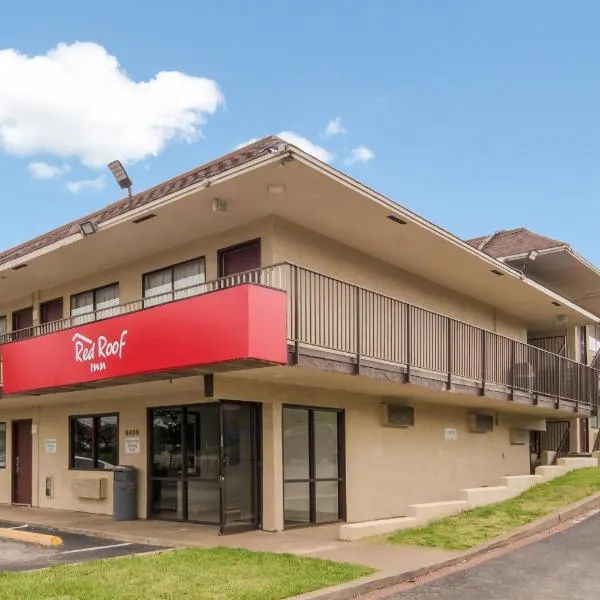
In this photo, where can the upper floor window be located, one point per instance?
(3, 329)
(95, 304)
(173, 283)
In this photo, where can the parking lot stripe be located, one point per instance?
(19, 527)
(95, 548)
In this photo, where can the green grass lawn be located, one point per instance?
(198, 574)
(473, 527)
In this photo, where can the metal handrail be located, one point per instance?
(563, 442)
(330, 313)
(139, 304)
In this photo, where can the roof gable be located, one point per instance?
(513, 241)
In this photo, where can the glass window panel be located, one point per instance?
(82, 443)
(82, 308)
(327, 501)
(204, 501)
(167, 499)
(107, 301)
(295, 444)
(167, 456)
(326, 444)
(296, 503)
(108, 443)
(203, 441)
(158, 287)
(2, 325)
(2, 445)
(187, 279)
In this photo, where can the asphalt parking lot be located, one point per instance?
(17, 556)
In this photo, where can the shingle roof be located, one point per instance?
(210, 169)
(513, 241)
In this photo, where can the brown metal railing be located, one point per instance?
(325, 312)
(562, 449)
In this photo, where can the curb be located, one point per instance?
(29, 537)
(374, 583)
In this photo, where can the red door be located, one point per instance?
(21, 462)
(239, 259)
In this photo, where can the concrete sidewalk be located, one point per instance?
(319, 542)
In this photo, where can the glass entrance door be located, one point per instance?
(239, 466)
(205, 464)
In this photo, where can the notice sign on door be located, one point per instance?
(132, 441)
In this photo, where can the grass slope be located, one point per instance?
(473, 527)
(215, 574)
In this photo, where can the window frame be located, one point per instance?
(171, 268)
(94, 312)
(313, 478)
(222, 254)
(96, 423)
(5, 425)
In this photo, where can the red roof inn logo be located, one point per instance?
(94, 352)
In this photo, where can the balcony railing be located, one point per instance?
(326, 313)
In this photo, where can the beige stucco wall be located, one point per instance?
(283, 241)
(387, 468)
(130, 276)
(313, 251)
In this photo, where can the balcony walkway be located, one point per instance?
(334, 325)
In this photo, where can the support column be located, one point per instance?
(574, 436)
(272, 461)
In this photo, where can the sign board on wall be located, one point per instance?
(234, 324)
(51, 446)
(132, 441)
(450, 434)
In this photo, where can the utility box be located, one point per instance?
(125, 493)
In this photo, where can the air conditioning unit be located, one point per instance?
(519, 437)
(398, 415)
(479, 423)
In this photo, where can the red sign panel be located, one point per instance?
(239, 323)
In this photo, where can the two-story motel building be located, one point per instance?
(271, 343)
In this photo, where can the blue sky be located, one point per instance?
(477, 115)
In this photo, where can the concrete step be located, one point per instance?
(578, 462)
(424, 513)
(520, 483)
(355, 531)
(548, 472)
(487, 495)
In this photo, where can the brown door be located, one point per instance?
(584, 435)
(21, 462)
(239, 259)
(22, 321)
(50, 312)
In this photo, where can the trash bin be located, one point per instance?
(125, 493)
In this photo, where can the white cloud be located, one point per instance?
(361, 154)
(44, 170)
(334, 127)
(306, 145)
(77, 101)
(93, 185)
